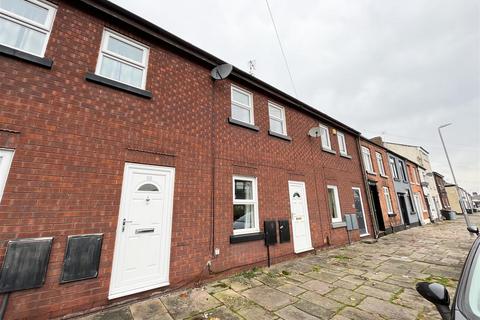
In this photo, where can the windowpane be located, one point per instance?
(276, 126)
(122, 72)
(241, 97)
(243, 216)
(324, 136)
(26, 9)
(341, 143)
(124, 49)
(148, 187)
(240, 114)
(243, 190)
(332, 203)
(275, 112)
(21, 37)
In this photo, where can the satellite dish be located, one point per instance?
(222, 71)
(314, 132)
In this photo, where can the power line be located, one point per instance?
(281, 49)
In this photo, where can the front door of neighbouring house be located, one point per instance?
(403, 208)
(142, 247)
(357, 200)
(376, 206)
(418, 206)
(300, 223)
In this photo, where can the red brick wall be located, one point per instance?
(74, 138)
(383, 182)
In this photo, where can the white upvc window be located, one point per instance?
(242, 105)
(342, 144)
(388, 200)
(278, 123)
(123, 59)
(367, 160)
(6, 157)
(402, 170)
(393, 167)
(381, 167)
(245, 205)
(325, 137)
(334, 203)
(26, 25)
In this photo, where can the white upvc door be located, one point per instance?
(142, 247)
(300, 223)
(416, 198)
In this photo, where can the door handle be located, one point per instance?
(124, 222)
(145, 230)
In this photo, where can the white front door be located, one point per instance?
(300, 223)
(416, 199)
(142, 248)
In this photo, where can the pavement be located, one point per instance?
(360, 281)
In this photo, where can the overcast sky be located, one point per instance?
(393, 68)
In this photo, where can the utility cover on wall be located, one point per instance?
(82, 257)
(25, 264)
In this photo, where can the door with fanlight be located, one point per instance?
(300, 222)
(142, 249)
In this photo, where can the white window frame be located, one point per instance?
(283, 120)
(381, 166)
(403, 169)
(367, 160)
(338, 218)
(393, 167)
(107, 33)
(253, 201)
(324, 132)
(241, 105)
(342, 144)
(7, 154)
(45, 28)
(388, 200)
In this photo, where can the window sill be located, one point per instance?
(391, 215)
(21, 55)
(243, 124)
(239, 238)
(329, 150)
(371, 173)
(117, 85)
(345, 155)
(383, 176)
(336, 225)
(396, 179)
(280, 136)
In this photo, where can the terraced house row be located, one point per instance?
(126, 169)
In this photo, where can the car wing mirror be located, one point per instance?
(473, 229)
(438, 295)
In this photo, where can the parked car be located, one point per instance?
(466, 303)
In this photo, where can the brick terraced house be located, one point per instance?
(381, 188)
(118, 147)
(417, 192)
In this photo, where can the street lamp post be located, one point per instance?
(462, 205)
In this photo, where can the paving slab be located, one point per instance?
(232, 299)
(314, 309)
(317, 286)
(256, 313)
(320, 300)
(221, 313)
(186, 304)
(357, 314)
(150, 309)
(387, 310)
(291, 289)
(374, 292)
(292, 313)
(345, 296)
(269, 298)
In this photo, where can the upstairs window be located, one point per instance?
(393, 167)
(342, 145)
(123, 60)
(388, 199)
(277, 119)
(334, 204)
(26, 25)
(367, 160)
(325, 137)
(245, 205)
(402, 170)
(381, 167)
(242, 105)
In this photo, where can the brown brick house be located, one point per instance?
(381, 188)
(418, 197)
(110, 125)
(442, 192)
